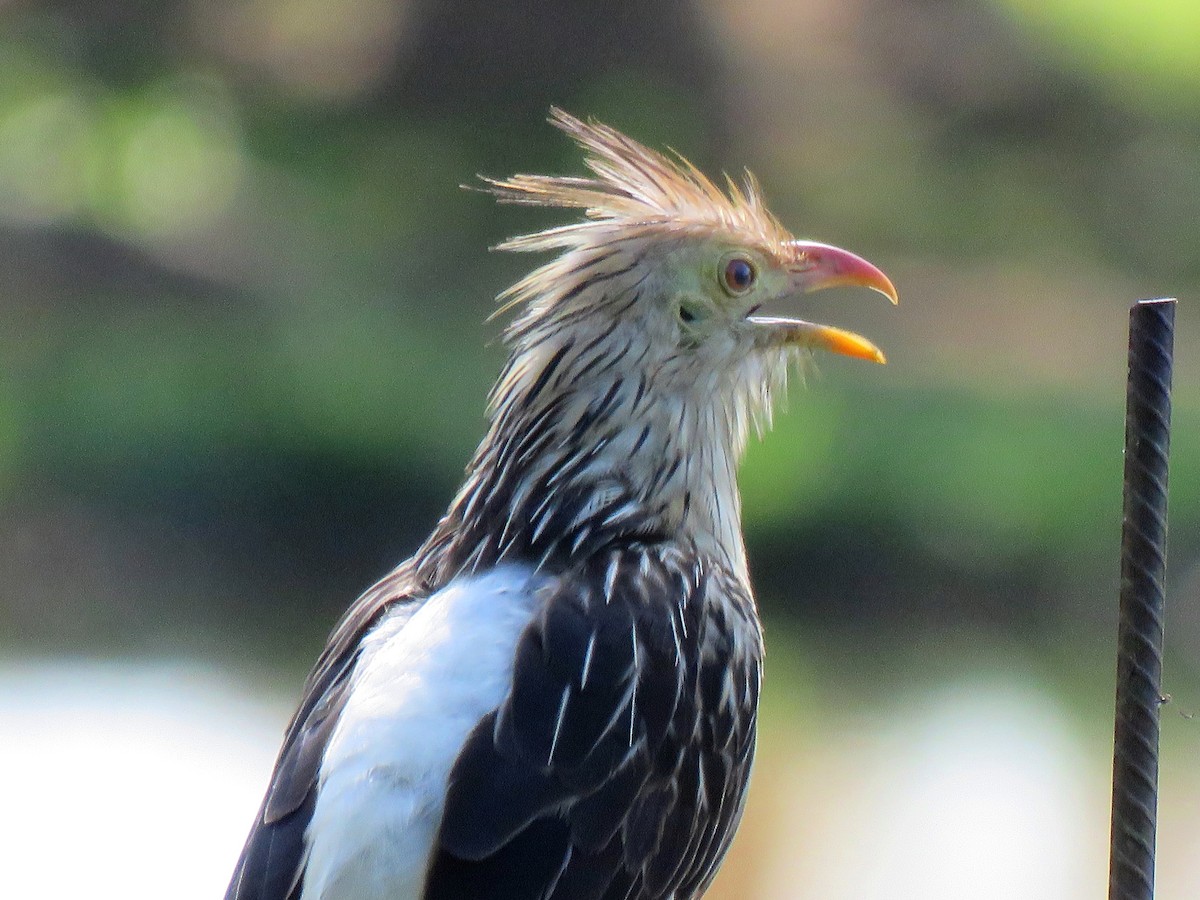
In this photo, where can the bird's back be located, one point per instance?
(521, 735)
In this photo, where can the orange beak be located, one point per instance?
(815, 267)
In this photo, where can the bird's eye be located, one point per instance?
(738, 275)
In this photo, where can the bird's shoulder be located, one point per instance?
(272, 859)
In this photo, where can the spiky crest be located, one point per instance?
(635, 193)
(635, 186)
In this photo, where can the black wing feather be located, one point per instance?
(585, 784)
(520, 869)
(271, 866)
(517, 795)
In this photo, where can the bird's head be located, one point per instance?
(666, 259)
(639, 354)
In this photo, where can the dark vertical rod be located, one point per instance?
(1140, 632)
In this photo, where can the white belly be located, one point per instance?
(423, 682)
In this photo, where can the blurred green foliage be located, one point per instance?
(1155, 39)
(243, 349)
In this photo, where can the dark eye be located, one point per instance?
(738, 275)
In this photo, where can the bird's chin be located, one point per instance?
(772, 332)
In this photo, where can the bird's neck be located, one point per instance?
(575, 462)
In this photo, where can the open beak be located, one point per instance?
(815, 267)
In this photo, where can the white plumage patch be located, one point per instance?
(422, 683)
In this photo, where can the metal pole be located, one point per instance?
(1140, 633)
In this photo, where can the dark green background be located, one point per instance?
(243, 339)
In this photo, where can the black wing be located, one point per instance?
(617, 766)
(271, 866)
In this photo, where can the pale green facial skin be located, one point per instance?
(710, 311)
(703, 303)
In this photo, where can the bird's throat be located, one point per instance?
(573, 466)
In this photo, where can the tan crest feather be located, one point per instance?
(639, 189)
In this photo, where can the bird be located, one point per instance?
(555, 697)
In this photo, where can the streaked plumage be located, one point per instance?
(556, 696)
